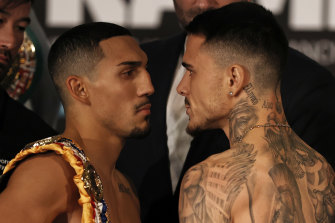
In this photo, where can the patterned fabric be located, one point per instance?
(94, 208)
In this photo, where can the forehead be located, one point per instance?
(193, 46)
(122, 48)
(19, 12)
(198, 57)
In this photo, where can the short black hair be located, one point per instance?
(14, 3)
(77, 51)
(249, 30)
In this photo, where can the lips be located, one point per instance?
(187, 106)
(187, 103)
(4, 60)
(4, 57)
(144, 108)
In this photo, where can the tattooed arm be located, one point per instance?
(192, 202)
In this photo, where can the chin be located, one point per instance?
(139, 133)
(194, 130)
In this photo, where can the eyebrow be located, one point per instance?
(186, 65)
(24, 19)
(130, 63)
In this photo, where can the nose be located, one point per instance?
(145, 88)
(205, 4)
(8, 38)
(183, 86)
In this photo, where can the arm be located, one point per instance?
(192, 195)
(40, 189)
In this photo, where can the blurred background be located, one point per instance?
(309, 25)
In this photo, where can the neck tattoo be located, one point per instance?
(239, 139)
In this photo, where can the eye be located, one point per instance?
(2, 21)
(243, 121)
(128, 73)
(21, 28)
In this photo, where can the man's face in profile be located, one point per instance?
(203, 87)
(120, 88)
(186, 10)
(13, 21)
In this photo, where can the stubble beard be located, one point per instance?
(138, 133)
(194, 131)
(4, 68)
(3, 71)
(201, 126)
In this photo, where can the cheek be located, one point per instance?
(218, 97)
(222, 3)
(17, 45)
(113, 110)
(104, 99)
(209, 97)
(183, 4)
(19, 37)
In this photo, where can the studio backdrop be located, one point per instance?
(309, 24)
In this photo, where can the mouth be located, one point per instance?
(4, 60)
(4, 57)
(144, 108)
(187, 106)
(187, 103)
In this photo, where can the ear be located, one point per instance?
(237, 76)
(77, 88)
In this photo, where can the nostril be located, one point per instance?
(181, 92)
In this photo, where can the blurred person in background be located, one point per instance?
(18, 125)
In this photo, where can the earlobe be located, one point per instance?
(77, 88)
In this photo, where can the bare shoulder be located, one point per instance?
(39, 189)
(210, 188)
(253, 183)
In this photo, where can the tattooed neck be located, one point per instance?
(245, 116)
(242, 117)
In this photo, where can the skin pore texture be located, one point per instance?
(270, 175)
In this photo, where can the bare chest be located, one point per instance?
(122, 205)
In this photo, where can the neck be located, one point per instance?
(102, 150)
(248, 115)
